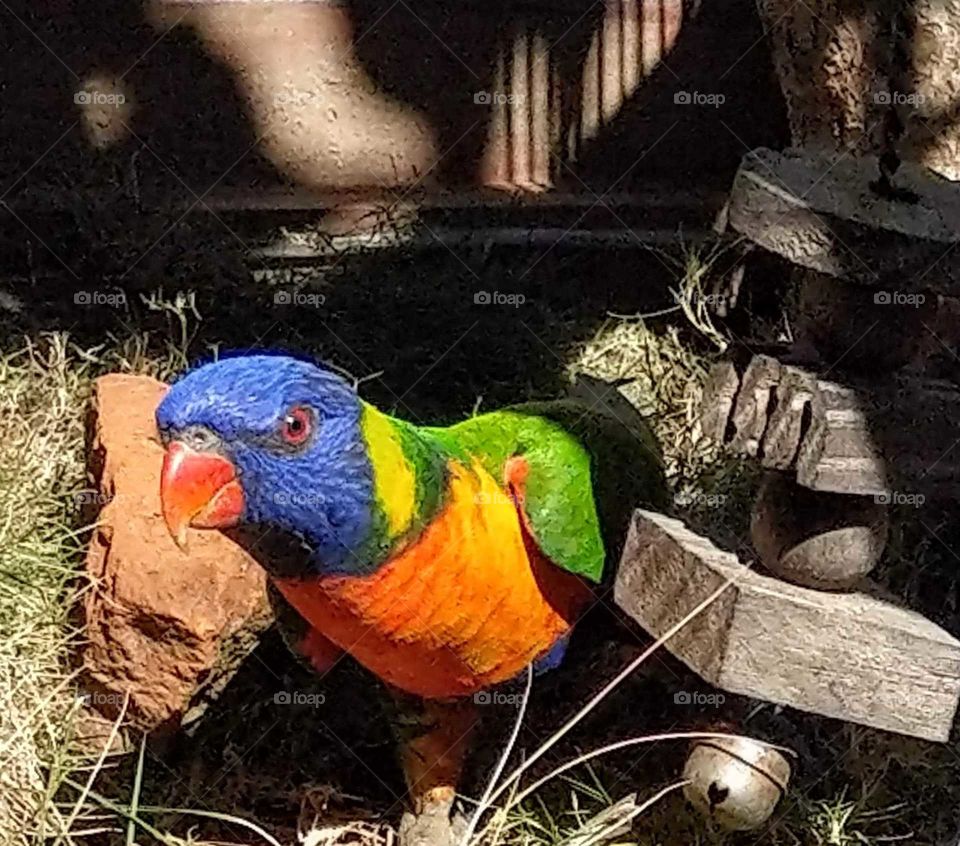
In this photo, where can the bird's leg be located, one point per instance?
(434, 740)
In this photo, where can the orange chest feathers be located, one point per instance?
(467, 605)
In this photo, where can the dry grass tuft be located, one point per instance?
(42, 391)
(711, 489)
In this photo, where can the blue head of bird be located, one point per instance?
(270, 442)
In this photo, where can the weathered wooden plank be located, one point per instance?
(781, 440)
(637, 205)
(753, 400)
(719, 392)
(848, 656)
(307, 249)
(839, 453)
(897, 436)
(824, 213)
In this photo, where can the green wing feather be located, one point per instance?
(592, 459)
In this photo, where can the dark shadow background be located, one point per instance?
(190, 115)
(71, 221)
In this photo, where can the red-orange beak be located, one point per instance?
(198, 489)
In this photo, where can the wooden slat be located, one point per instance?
(848, 656)
(823, 213)
(840, 452)
(781, 440)
(753, 399)
(481, 237)
(719, 393)
(688, 203)
(893, 435)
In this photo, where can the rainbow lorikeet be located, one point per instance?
(445, 560)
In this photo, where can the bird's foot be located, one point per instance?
(437, 824)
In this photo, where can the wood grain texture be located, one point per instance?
(848, 656)
(781, 440)
(719, 393)
(753, 402)
(839, 452)
(890, 437)
(815, 539)
(823, 213)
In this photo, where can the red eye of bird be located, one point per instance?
(297, 425)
